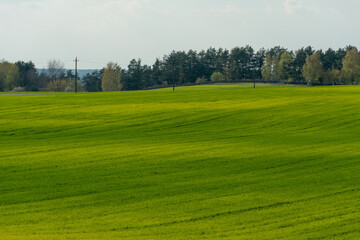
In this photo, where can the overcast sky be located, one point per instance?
(99, 31)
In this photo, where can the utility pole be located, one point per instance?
(173, 77)
(309, 79)
(76, 74)
(254, 77)
(254, 70)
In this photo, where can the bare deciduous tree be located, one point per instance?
(56, 69)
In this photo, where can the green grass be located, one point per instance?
(204, 162)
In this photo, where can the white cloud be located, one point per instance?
(114, 14)
(334, 11)
(291, 6)
(269, 8)
(123, 7)
(228, 9)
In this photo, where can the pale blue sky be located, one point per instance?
(98, 31)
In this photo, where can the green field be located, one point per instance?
(204, 162)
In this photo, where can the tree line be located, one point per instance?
(240, 64)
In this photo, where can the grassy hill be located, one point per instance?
(204, 162)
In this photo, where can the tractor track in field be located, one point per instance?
(234, 212)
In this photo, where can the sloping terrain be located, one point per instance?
(204, 162)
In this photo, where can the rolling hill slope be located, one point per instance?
(204, 162)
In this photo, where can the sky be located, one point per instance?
(100, 31)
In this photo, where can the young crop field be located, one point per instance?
(203, 162)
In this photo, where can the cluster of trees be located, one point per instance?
(23, 76)
(313, 67)
(9, 76)
(303, 66)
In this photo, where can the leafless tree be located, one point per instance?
(56, 69)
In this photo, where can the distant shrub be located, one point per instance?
(57, 85)
(201, 80)
(18, 89)
(64, 86)
(69, 89)
(217, 77)
(289, 81)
